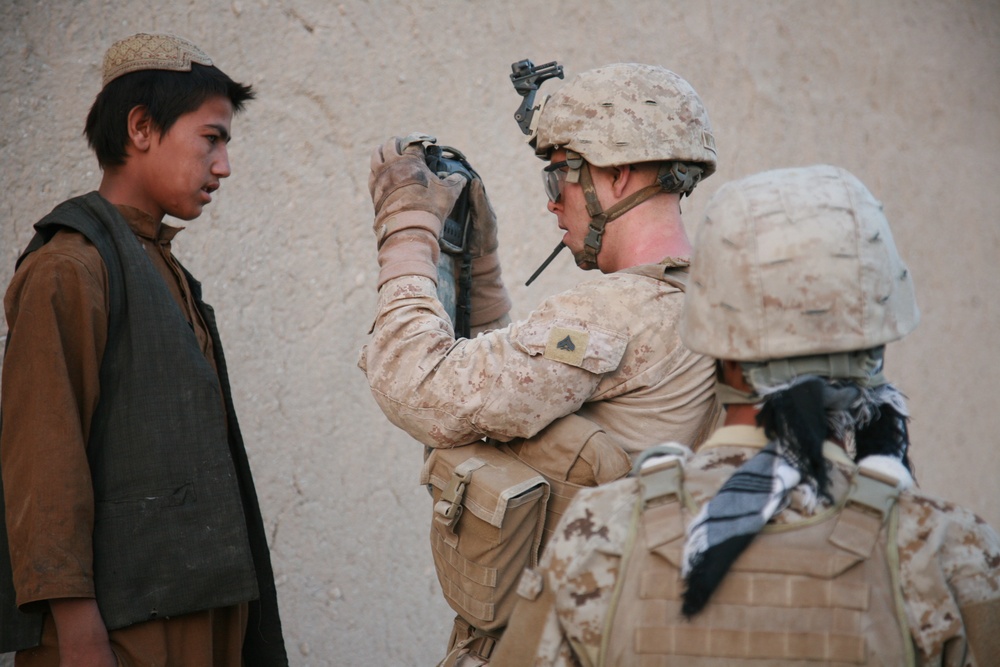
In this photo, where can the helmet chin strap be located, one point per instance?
(672, 177)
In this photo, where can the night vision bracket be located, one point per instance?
(526, 77)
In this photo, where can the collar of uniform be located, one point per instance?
(742, 435)
(675, 262)
(739, 436)
(145, 226)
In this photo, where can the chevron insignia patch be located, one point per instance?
(567, 345)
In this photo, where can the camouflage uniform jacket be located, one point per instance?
(949, 564)
(607, 349)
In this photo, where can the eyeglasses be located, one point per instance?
(554, 177)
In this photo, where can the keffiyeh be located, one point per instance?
(797, 418)
(724, 527)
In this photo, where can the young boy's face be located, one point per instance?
(184, 166)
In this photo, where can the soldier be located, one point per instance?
(596, 365)
(793, 535)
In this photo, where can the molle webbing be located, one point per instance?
(751, 644)
(818, 591)
(489, 510)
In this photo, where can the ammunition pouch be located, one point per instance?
(495, 505)
(489, 510)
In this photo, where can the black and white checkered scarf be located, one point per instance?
(797, 418)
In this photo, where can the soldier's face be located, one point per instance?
(571, 209)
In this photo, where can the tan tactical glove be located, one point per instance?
(410, 203)
(490, 301)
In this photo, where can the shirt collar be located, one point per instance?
(145, 226)
(675, 262)
(754, 438)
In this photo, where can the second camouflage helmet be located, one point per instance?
(627, 113)
(795, 262)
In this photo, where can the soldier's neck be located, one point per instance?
(741, 415)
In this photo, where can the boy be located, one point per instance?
(131, 517)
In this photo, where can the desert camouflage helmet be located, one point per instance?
(627, 113)
(795, 262)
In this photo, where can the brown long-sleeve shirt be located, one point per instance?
(57, 314)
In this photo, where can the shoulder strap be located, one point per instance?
(869, 502)
(658, 509)
(660, 481)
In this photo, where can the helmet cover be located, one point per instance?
(627, 113)
(795, 262)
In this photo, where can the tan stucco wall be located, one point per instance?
(905, 94)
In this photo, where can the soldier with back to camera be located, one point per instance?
(794, 535)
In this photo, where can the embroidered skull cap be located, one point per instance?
(145, 51)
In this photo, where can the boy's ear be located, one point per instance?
(140, 128)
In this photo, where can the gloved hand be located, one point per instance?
(410, 203)
(483, 235)
(405, 192)
(490, 301)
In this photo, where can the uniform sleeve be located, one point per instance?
(56, 309)
(504, 384)
(534, 635)
(950, 574)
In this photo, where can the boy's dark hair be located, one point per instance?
(166, 95)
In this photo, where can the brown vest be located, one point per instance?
(824, 591)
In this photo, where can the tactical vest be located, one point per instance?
(822, 591)
(177, 527)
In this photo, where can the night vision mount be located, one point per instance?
(526, 77)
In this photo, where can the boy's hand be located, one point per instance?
(83, 638)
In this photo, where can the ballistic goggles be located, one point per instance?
(554, 178)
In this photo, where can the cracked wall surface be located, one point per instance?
(903, 93)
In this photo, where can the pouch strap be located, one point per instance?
(472, 641)
(448, 509)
